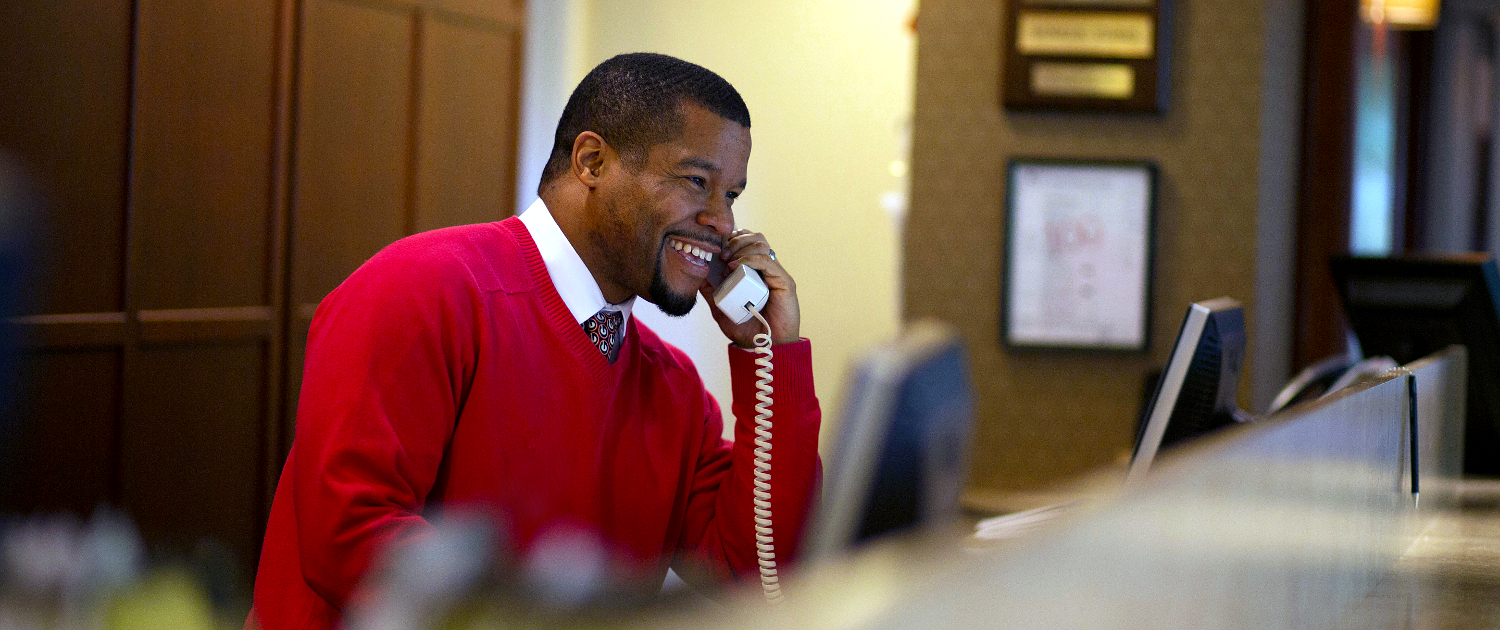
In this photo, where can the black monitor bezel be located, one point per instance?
(1477, 271)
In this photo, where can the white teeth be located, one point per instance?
(690, 249)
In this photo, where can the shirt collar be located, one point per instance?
(575, 285)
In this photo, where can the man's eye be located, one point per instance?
(732, 195)
(698, 181)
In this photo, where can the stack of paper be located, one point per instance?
(1019, 524)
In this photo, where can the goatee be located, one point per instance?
(669, 301)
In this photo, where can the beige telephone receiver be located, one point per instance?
(738, 292)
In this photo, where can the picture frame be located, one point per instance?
(1078, 258)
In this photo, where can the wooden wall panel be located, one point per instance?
(200, 196)
(267, 148)
(512, 12)
(353, 141)
(65, 95)
(467, 133)
(65, 432)
(186, 472)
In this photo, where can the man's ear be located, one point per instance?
(588, 157)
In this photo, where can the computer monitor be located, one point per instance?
(1196, 393)
(901, 453)
(1408, 308)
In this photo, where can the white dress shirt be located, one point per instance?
(572, 279)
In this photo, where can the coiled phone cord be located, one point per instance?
(765, 546)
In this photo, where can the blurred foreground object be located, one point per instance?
(454, 577)
(902, 452)
(418, 584)
(59, 572)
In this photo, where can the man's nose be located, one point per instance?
(718, 216)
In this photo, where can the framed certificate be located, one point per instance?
(1078, 254)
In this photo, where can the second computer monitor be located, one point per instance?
(1407, 308)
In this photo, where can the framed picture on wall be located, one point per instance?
(1078, 254)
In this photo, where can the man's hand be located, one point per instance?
(750, 249)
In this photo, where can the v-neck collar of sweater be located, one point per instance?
(561, 318)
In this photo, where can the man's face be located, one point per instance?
(653, 217)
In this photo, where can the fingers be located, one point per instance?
(744, 246)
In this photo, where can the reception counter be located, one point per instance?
(1345, 512)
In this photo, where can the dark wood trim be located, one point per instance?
(414, 121)
(1416, 83)
(226, 314)
(68, 318)
(513, 147)
(1400, 44)
(129, 253)
(489, 14)
(1416, 95)
(277, 427)
(168, 332)
(201, 324)
(74, 330)
(1327, 173)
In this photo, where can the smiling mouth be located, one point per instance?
(691, 250)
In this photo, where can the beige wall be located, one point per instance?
(829, 87)
(1044, 416)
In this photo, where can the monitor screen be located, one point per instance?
(1196, 393)
(901, 453)
(1408, 308)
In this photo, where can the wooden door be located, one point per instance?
(210, 171)
(407, 121)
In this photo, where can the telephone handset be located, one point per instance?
(740, 294)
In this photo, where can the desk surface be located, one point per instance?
(1300, 521)
(1449, 577)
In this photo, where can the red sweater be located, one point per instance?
(446, 371)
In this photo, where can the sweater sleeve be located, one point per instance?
(719, 536)
(387, 364)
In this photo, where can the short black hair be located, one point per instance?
(631, 101)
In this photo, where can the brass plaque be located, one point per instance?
(1086, 55)
(1093, 4)
(1089, 80)
(1086, 34)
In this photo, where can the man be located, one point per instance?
(496, 367)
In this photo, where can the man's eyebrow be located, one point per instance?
(698, 162)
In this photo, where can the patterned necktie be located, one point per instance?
(604, 330)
